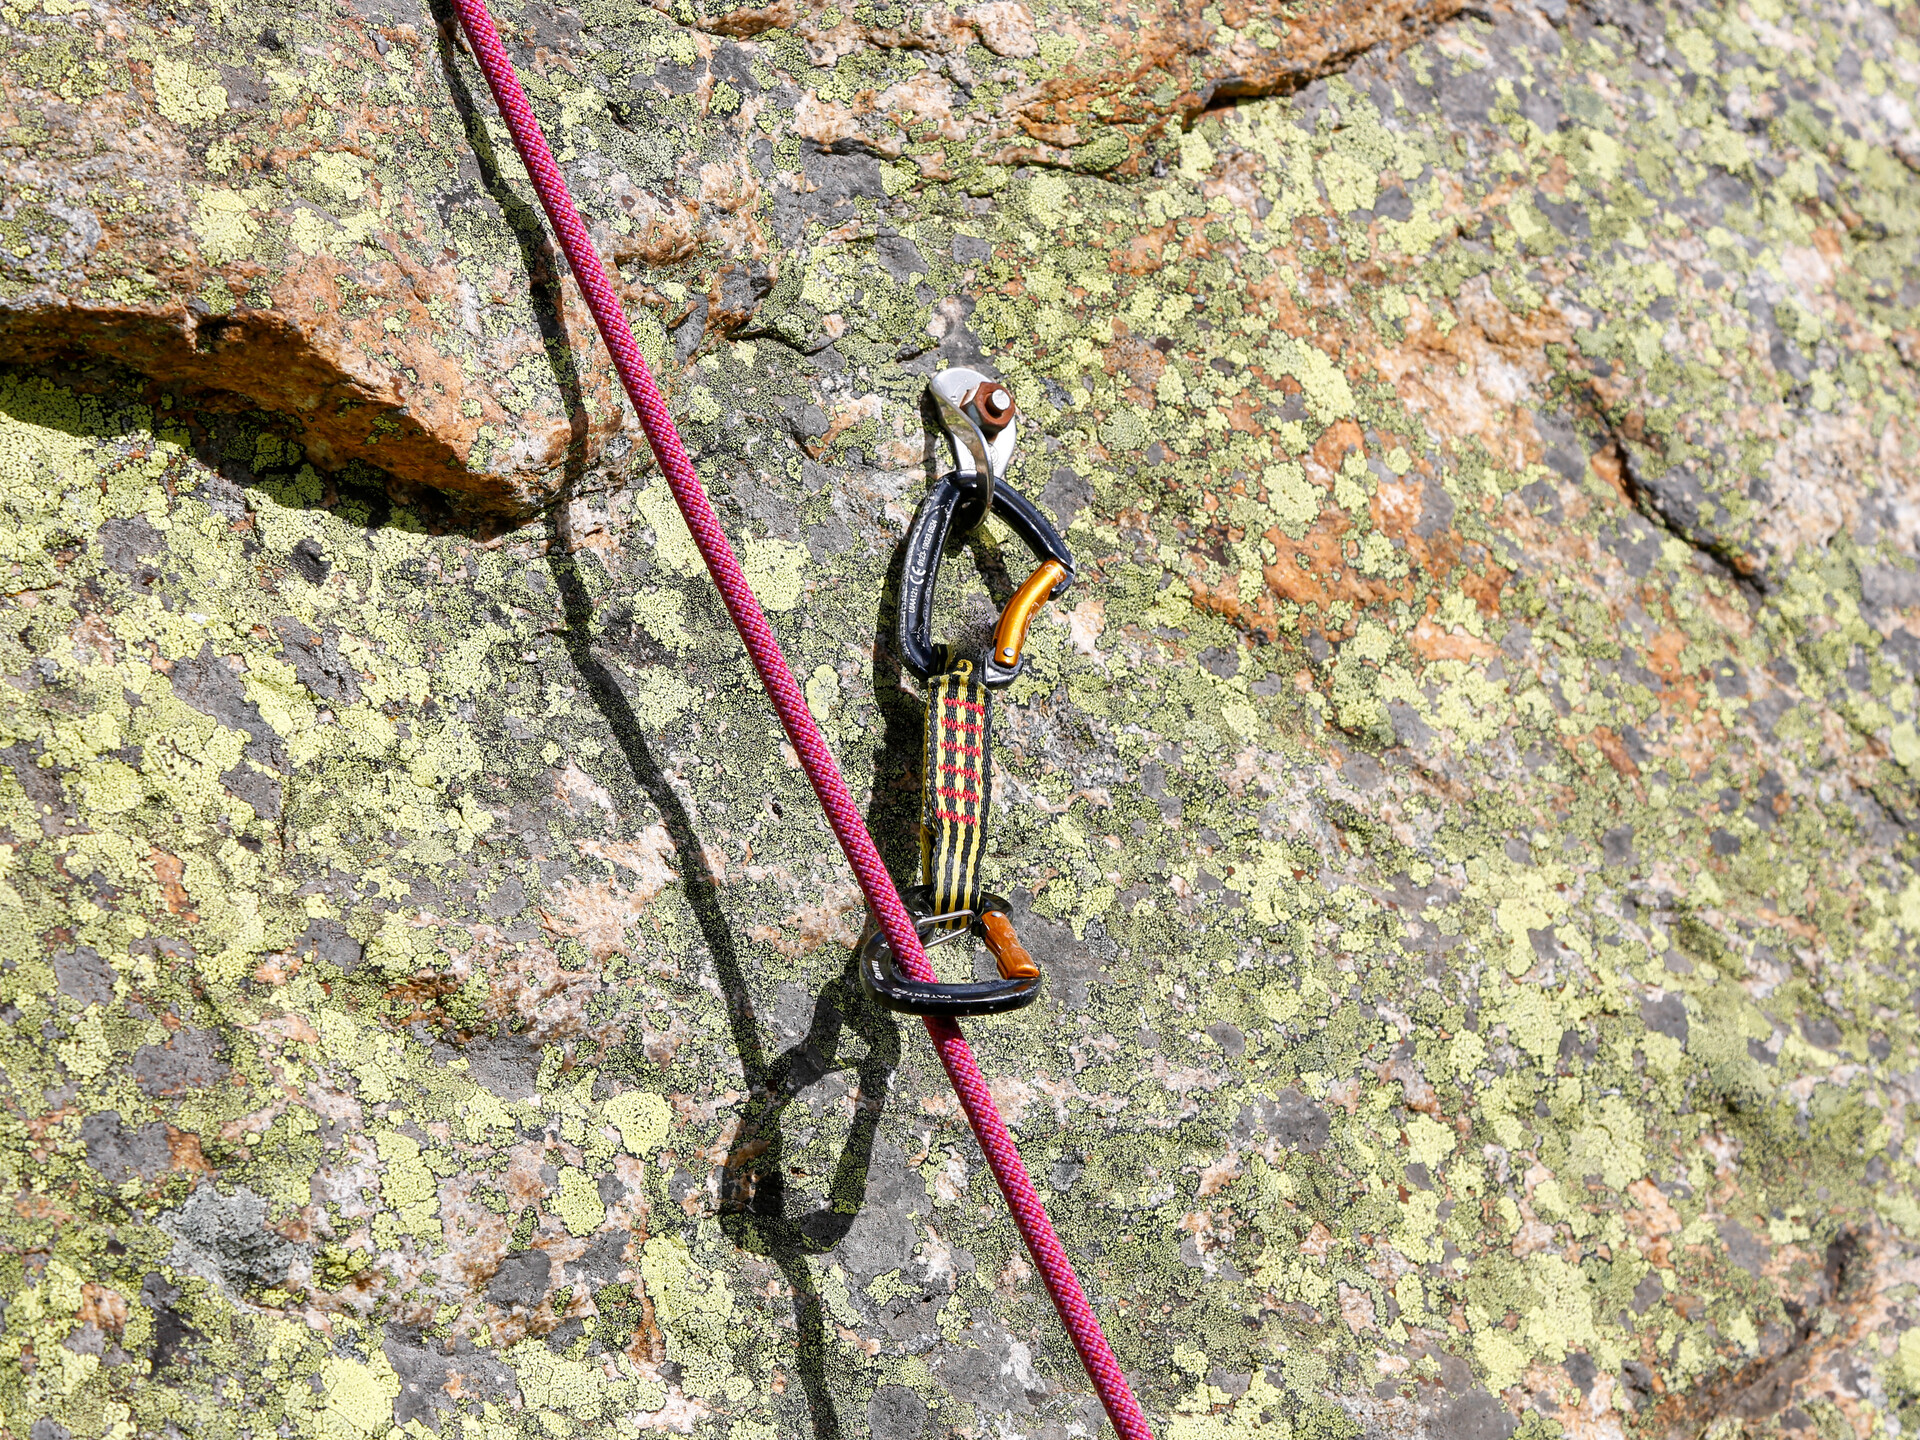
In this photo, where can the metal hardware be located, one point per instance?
(1018, 986)
(920, 577)
(1010, 636)
(977, 413)
(951, 935)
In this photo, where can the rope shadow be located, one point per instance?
(752, 1187)
(752, 1199)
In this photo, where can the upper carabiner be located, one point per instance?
(981, 453)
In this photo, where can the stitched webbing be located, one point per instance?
(1003, 1158)
(958, 788)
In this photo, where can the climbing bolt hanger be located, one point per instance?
(957, 768)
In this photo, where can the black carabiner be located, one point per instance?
(920, 577)
(880, 977)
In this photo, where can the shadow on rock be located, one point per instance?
(752, 1199)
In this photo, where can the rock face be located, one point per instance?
(1466, 810)
(320, 216)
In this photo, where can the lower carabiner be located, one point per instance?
(881, 978)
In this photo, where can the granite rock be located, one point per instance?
(1466, 806)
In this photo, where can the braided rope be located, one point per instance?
(1076, 1314)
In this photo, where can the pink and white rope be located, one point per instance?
(790, 705)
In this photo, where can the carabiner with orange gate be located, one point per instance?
(957, 758)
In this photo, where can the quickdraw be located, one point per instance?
(957, 767)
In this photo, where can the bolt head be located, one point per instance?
(993, 403)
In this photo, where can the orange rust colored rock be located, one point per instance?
(1614, 748)
(1663, 653)
(301, 273)
(1478, 377)
(102, 1306)
(1135, 357)
(1322, 463)
(1316, 569)
(1140, 255)
(1610, 464)
(1432, 643)
(1141, 68)
(1176, 44)
(745, 24)
(1396, 509)
(292, 254)
(169, 872)
(184, 1151)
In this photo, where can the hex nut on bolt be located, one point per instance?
(993, 403)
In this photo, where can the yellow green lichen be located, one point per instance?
(1469, 845)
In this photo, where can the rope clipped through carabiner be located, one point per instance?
(1002, 1157)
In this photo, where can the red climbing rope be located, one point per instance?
(791, 706)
